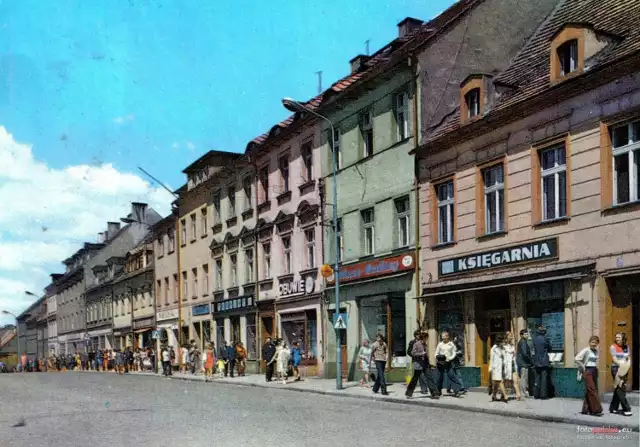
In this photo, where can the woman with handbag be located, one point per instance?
(587, 362)
(620, 372)
(496, 370)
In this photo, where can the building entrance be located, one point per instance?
(493, 317)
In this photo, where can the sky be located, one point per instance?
(90, 90)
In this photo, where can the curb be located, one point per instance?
(596, 422)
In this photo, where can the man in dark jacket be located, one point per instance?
(417, 362)
(230, 357)
(541, 346)
(523, 362)
(268, 351)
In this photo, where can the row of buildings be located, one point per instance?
(487, 180)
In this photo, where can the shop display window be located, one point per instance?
(252, 346)
(545, 304)
(302, 327)
(219, 333)
(386, 316)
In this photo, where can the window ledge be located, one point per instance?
(202, 236)
(622, 207)
(234, 289)
(205, 294)
(248, 285)
(184, 244)
(443, 245)
(217, 228)
(286, 276)
(192, 240)
(307, 272)
(552, 222)
(307, 187)
(489, 236)
(247, 214)
(264, 206)
(265, 281)
(284, 197)
(160, 256)
(170, 252)
(232, 221)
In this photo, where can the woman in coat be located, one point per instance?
(510, 373)
(496, 369)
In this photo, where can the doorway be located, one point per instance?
(635, 343)
(493, 317)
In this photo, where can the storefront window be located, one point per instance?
(206, 333)
(380, 315)
(252, 346)
(545, 305)
(301, 327)
(219, 333)
(312, 335)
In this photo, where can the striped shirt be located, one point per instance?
(619, 353)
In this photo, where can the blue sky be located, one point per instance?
(107, 85)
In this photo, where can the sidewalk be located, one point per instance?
(552, 410)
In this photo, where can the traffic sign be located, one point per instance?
(155, 335)
(340, 321)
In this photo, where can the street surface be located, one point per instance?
(103, 409)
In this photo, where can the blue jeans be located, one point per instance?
(381, 382)
(447, 370)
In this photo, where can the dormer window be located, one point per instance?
(472, 100)
(567, 55)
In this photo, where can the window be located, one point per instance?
(203, 221)
(493, 178)
(340, 240)
(445, 200)
(176, 290)
(553, 166)
(160, 246)
(234, 269)
(231, 193)
(266, 253)
(366, 130)
(472, 101)
(218, 274)
(166, 291)
(286, 248)
(216, 207)
(368, 229)
(284, 172)
(307, 159)
(246, 188)
(193, 227)
(248, 267)
(310, 240)
(194, 276)
(403, 212)
(336, 147)
(387, 316)
(205, 279)
(402, 115)
(183, 231)
(172, 239)
(545, 305)
(252, 339)
(568, 57)
(184, 286)
(159, 289)
(625, 142)
(264, 183)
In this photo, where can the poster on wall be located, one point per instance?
(554, 323)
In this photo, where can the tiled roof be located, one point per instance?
(529, 72)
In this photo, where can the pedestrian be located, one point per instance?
(587, 363)
(620, 373)
(99, 360)
(364, 354)
(241, 358)
(283, 362)
(268, 351)
(417, 337)
(184, 359)
(445, 355)
(418, 353)
(195, 358)
(274, 359)
(172, 357)
(296, 357)
(541, 347)
(523, 363)
(209, 361)
(166, 361)
(510, 375)
(497, 369)
(230, 357)
(380, 353)
(457, 363)
(119, 362)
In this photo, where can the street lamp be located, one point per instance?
(296, 106)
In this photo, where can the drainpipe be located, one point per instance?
(412, 62)
(256, 270)
(324, 291)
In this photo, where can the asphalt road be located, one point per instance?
(98, 409)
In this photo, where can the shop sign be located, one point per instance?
(374, 269)
(234, 304)
(297, 286)
(202, 309)
(517, 254)
(145, 322)
(167, 314)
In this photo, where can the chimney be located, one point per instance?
(408, 25)
(112, 229)
(101, 237)
(357, 63)
(138, 211)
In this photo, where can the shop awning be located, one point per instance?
(614, 273)
(139, 331)
(557, 272)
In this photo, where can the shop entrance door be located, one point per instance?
(493, 317)
(344, 353)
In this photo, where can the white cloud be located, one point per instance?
(190, 145)
(123, 119)
(47, 214)
(175, 145)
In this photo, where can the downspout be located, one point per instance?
(256, 260)
(412, 62)
(324, 291)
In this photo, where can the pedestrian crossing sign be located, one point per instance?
(340, 321)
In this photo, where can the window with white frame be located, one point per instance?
(205, 279)
(246, 188)
(307, 159)
(366, 130)
(203, 221)
(403, 215)
(445, 196)
(568, 57)
(248, 265)
(553, 167)
(166, 291)
(402, 114)
(472, 100)
(284, 172)
(176, 290)
(286, 249)
(185, 286)
(231, 193)
(218, 274)
(193, 227)
(368, 231)
(335, 146)
(160, 249)
(172, 239)
(266, 255)
(625, 141)
(264, 183)
(310, 242)
(234, 269)
(217, 199)
(493, 199)
(183, 231)
(340, 240)
(194, 276)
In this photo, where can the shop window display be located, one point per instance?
(545, 305)
(252, 347)
(386, 316)
(302, 327)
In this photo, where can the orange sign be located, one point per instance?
(375, 268)
(326, 270)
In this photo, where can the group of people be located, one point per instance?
(282, 359)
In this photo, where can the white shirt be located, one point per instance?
(446, 349)
(165, 356)
(587, 357)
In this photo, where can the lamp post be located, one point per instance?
(296, 106)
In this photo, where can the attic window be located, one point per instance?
(567, 54)
(472, 100)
